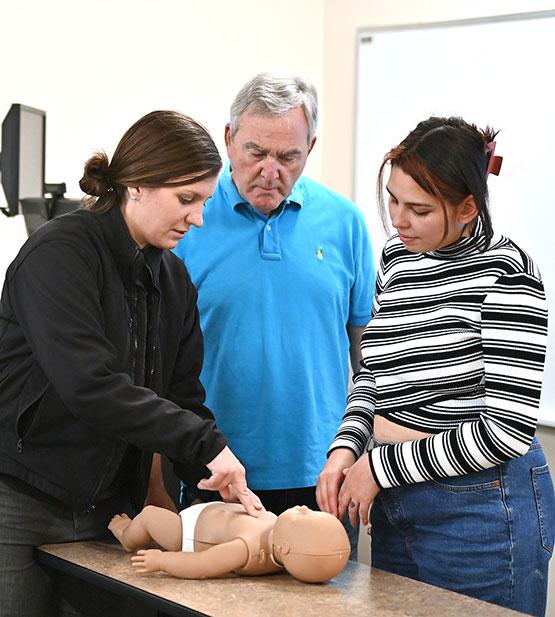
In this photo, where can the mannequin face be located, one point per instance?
(420, 218)
(312, 546)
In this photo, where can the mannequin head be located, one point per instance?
(312, 546)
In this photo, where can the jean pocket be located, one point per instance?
(545, 504)
(477, 481)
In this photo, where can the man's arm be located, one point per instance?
(355, 335)
(157, 493)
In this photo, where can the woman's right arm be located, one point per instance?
(351, 440)
(356, 428)
(55, 295)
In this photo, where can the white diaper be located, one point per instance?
(189, 518)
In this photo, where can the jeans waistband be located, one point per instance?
(534, 445)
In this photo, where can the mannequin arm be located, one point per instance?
(216, 561)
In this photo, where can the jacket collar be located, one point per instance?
(129, 258)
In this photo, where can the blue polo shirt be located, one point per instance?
(275, 297)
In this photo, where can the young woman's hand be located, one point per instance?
(228, 477)
(330, 478)
(358, 491)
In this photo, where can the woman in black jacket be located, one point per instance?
(100, 356)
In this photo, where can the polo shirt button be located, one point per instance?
(268, 228)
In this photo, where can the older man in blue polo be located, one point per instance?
(285, 278)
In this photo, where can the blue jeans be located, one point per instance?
(487, 534)
(29, 518)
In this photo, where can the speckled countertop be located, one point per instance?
(358, 591)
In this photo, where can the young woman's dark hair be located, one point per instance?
(157, 149)
(447, 158)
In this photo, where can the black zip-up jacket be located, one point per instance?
(69, 333)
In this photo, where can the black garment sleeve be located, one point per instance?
(55, 296)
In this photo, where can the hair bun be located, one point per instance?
(96, 178)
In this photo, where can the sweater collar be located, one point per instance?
(465, 246)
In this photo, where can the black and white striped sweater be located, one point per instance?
(455, 348)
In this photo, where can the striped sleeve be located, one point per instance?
(355, 430)
(513, 331)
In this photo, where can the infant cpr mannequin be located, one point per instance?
(311, 546)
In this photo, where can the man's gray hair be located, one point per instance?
(273, 95)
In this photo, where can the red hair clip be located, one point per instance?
(494, 162)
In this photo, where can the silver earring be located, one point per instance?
(133, 197)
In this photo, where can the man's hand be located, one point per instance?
(358, 491)
(228, 477)
(330, 478)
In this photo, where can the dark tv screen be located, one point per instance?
(22, 159)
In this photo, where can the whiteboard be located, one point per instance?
(497, 72)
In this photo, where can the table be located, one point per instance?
(358, 591)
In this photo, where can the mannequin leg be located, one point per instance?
(152, 524)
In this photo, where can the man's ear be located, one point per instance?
(227, 135)
(311, 145)
(467, 210)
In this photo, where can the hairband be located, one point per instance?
(493, 162)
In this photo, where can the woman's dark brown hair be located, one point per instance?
(160, 149)
(447, 158)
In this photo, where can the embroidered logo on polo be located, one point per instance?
(320, 253)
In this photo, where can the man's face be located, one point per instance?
(268, 154)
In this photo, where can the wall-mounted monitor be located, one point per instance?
(22, 158)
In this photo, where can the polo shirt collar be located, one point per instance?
(234, 198)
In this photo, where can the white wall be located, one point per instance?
(97, 66)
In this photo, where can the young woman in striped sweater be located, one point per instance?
(438, 435)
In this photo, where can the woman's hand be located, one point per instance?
(330, 478)
(358, 491)
(228, 477)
